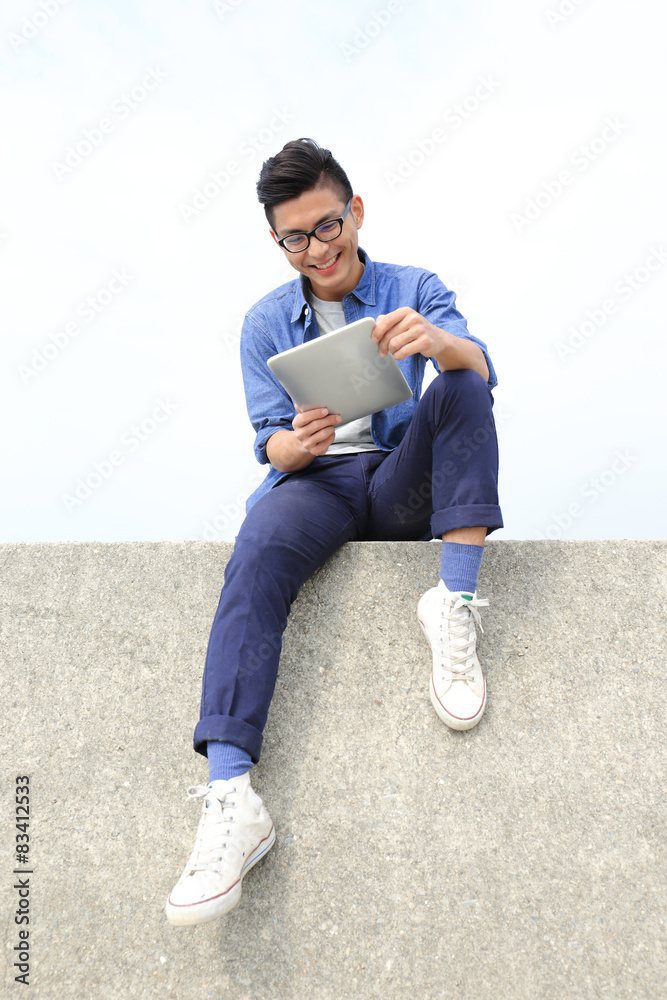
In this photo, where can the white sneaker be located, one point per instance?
(234, 832)
(458, 689)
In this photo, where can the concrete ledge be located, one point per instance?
(524, 859)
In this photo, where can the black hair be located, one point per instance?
(299, 166)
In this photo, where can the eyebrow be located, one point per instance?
(325, 218)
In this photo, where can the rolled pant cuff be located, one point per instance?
(476, 515)
(228, 730)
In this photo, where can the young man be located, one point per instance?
(329, 484)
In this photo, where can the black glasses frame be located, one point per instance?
(313, 232)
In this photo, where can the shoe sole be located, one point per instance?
(460, 725)
(188, 914)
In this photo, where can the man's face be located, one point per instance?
(332, 268)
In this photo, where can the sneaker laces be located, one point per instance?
(456, 648)
(214, 826)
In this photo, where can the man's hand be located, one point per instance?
(405, 332)
(314, 430)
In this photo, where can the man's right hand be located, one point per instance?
(315, 429)
(313, 434)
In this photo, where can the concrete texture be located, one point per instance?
(524, 859)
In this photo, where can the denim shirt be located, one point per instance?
(284, 319)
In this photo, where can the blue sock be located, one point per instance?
(459, 566)
(226, 761)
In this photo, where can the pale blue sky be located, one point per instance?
(165, 337)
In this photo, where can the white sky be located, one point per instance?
(582, 433)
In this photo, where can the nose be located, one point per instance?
(321, 251)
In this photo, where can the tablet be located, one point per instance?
(342, 370)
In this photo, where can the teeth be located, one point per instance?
(322, 267)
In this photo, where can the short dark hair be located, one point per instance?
(299, 166)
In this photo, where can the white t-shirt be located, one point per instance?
(356, 435)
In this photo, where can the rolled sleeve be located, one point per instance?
(437, 304)
(269, 406)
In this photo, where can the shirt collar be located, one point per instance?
(364, 290)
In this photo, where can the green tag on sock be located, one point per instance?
(467, 597)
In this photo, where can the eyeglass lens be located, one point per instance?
(326, 232)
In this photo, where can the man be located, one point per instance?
(329, 484)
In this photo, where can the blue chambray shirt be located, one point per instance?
(284, 319)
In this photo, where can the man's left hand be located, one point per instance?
(405, 332)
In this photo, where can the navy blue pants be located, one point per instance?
(443, 475)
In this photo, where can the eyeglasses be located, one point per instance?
(296, 242)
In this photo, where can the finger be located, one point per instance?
(324, 436)
(306, 417)
(321, 421)
(378, 330)
(389, 321)
(388, 343)
(399, 326)
(406, 351)
(306, 430)
(320, 442)
(383, 326)
(402, 338)
(326, 426)
(410, 343)
(382, 336)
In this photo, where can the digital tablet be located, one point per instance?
(342, 370)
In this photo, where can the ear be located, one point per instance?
(357, 209)
(274, 235)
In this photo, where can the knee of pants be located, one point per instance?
(463, 382)
(269, 552)
(463, 397)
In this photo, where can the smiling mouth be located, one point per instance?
(328, 264)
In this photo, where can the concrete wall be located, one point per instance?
(523, 859)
